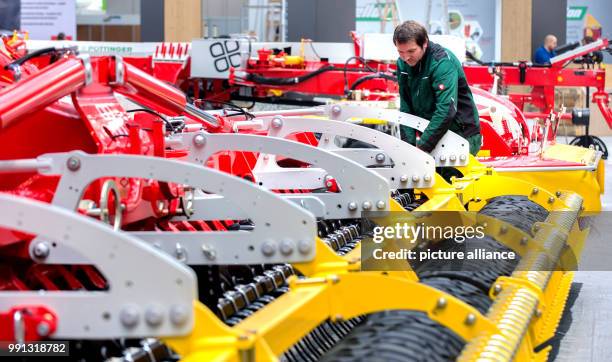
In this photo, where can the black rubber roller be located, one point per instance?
(516, 210)
(397, 336)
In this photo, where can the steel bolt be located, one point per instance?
(443, 158)
(41, 250)
(209, 252)
(497, 289)
(381, 204)
(277, 122)
(199, 140)
(43, 329)
(470, 319)
(415, 178)
(336, 109)
(380, 157)
(462, 157)
(304, 247)
(452, 157)
(73, 164)
(268, 248)
(180, 253)
(154, 316)
(427, 178)
(179, 315)
(366, 205)
(441, 303)
(287, 247)
(404, 178)
(352, 206)
(129, 316)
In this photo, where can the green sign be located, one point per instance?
(576, 12)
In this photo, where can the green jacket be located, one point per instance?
(436, 89)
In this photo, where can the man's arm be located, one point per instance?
(445, 88)
(407, 134)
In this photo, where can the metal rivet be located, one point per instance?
(497, 289)
(381, 204)
(503, 229)
(404, 178)
(462, 157)
(209, 252)
(304, 247)
(336, 109)
(535, 191)
(536, 227)
(129, 316)
(154, 316)
(538, 313)
(334, 279)
(478, 199)
(366, 205)
(415, 178)
(470, 319)
(268, 248)
(180, 253)
(199, 140)
(427, 178)
(441, 303)
(73, 163)
(558, 193)
(329, 184)
(277, 122)
(43, 329)
(443, 158)
(287, 247)
(352, 206)
(380, 157)
(524, 240)
(551, 200)
(452, 157)
(41, 250)
(179, 315)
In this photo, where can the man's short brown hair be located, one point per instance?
(410, 30)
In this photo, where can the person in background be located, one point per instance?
(432, 85)
(546, 51)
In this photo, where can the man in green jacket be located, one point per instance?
(433, 86)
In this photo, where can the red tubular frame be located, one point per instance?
(37, 91)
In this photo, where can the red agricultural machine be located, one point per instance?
(137, 226)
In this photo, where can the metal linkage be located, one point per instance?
(403, 165)
(360, 189)
(130, 307)
(284, 233)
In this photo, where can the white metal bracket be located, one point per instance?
(284, 232)
(401, 164)
(361, 189)
(452, 150)
(151, 299)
